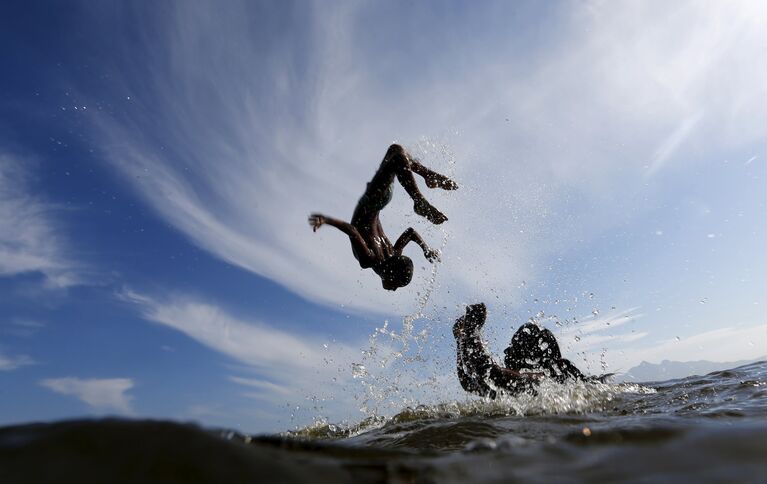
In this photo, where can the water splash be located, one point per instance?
(399, 356)
(551, 398)
(358, 370)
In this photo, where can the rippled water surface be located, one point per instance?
(699, 429)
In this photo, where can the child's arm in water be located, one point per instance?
(410, 235)
(317, 220)
(477, 371)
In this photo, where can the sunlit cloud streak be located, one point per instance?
(101, 394)
(21, 327)
(30, 239)
(276, 366)
(257, 345)
(595, 323)
(258, 384)
(12, 362)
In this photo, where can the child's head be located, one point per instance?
(395, 272)
(532, 347)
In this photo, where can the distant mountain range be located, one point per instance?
(670, 370)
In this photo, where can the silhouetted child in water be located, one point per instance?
(370, 245)
(532, 354)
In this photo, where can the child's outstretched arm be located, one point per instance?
(410, 235)
(317, 220)
(477, 371)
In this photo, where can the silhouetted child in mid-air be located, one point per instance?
(370, 245)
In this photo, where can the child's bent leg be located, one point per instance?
(432, 178)
(397, 160)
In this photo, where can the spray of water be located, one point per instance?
(399, 355)
(400, 368)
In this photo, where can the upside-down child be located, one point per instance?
(370, 245)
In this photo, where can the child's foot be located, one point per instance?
(424, 209)
(435, 180)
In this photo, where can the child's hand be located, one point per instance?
(475, 316)
(432, 255)
(316, 221)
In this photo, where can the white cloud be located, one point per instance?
(288, 367)
(723, 344)
(8, 363)
(594, 324)
(593, 340)
(261, 384)
(254, 344)
(238, 153)
(102, 394)
(589, 336)
(622, 350)
(591, 343)
(21, 327)
(280, 368)
(30, 240)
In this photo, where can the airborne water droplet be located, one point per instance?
(358, 370)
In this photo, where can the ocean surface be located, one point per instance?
(709, 428)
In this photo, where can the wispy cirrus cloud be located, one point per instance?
(594, 332)
(236, 154)
(277, 367)
(731, 343)
(101, 394)
(255, 344)
(596, 323)
(30, 239)
(260, 384)
(21, 327)
(629, 348)
(12, 362)
(274, 365)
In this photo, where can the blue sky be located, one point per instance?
(158, 162)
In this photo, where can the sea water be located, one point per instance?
(710, 428)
